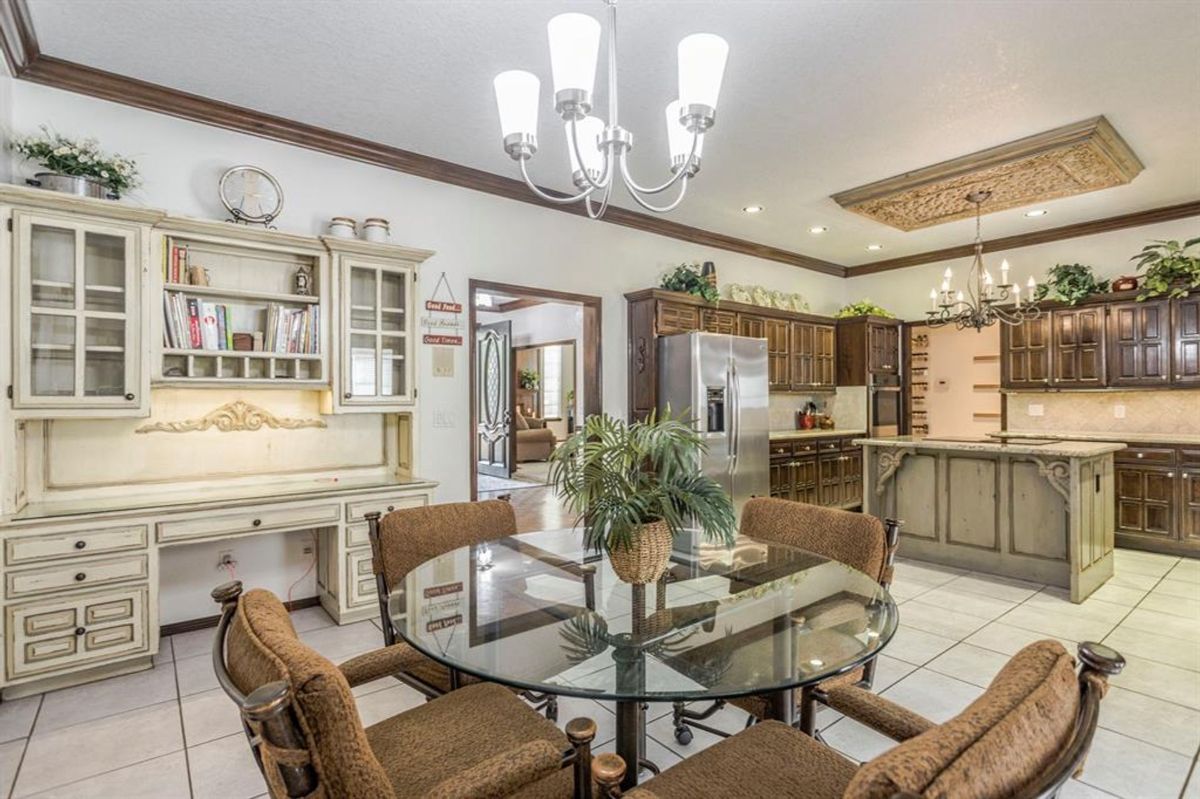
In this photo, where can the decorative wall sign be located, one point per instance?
(442, 322)
(232, 417)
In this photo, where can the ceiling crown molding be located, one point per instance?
(17, 41)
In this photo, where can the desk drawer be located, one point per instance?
(249, 520)
(68, 633)
(360, 579)
(1157, 456)
(355, 511)
(32, 549)
(781, 448)
(806, 448)
(357, 535)
(80, 573)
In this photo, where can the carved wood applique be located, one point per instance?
(1058, 473)
(640, 360)
(232, 417)
(887, 466)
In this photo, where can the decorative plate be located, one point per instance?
(738, 293)
(798, 302)
(250, 194)
(761, 296)
(781, 301)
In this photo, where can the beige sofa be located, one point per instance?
(535, 441)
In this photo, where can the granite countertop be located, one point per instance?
(787, 435)
(1126, 438)
(1054, 449)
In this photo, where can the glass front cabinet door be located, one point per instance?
(377, 330)
(78, 320)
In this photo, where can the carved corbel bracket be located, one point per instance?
(887, 466)
(232, 417)
(1058, 473)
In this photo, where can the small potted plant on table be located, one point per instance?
(635, 487)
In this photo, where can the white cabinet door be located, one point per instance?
(376, 371)
(79, 337)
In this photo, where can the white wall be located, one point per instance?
(6, 122)
(905, 292)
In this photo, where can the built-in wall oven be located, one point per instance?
(883, 405)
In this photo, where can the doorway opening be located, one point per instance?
(534, 378)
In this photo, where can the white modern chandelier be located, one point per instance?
(981, 306)
(597, 150)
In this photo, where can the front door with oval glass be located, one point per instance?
(494, 398)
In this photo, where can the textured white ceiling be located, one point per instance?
(818, 96)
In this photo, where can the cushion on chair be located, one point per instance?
(261, 647)
(410, 536)
(998, 744)
(425, 745)
(769, 760)
(758, 706)
(855, 539)
(520, 422)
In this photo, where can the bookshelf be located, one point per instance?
(230, 311)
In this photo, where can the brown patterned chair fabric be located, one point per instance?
(1023, 736)
(478, 741)
(856, 539)
(410, 536)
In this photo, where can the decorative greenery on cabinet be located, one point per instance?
(687, 278)
(1169, 269)
(863, 308)
(1070, 283)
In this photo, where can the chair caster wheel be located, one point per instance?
(683, 735)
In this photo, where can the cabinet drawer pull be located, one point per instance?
(80, 630)
(129, 397)
(256, 523)
(1141, 454)
(1170, 474)
(80, 577)
(347, 395)
(80, 544)
(391, 508)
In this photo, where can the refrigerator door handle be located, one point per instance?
(735, 417)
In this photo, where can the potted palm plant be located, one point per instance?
(634, 487)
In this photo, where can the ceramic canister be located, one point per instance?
(343, 227)
(376, 229)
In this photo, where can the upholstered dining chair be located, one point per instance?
(1022, 739)
(856, 539)
(406, 538)
(306, 735)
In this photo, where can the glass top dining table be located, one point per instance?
(542, 612)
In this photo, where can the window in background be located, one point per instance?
(552, 382)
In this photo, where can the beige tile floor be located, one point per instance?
(170, 732)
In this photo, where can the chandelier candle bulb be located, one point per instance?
(1016, 289)
(701, 69)
(933, 298)
(574, 46)
(517, 101)
(1004, 272)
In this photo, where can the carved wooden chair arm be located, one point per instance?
(383, 662)
(502, 774)
(882, 715)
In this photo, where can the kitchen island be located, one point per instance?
(1030, 509)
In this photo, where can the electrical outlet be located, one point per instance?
(1036, 409)
(1118, 411)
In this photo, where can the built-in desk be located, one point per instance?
(81, 579)
(1035, 510)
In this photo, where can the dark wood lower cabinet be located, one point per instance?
(820, 472)
(1158, 499)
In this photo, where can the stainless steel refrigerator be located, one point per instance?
(721, 382)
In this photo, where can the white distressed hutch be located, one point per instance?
(116, 442)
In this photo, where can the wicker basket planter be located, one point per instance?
(645, 560)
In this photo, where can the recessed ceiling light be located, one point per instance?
(753, 209)
(815, 229)
(874, 247)
(1037, 212)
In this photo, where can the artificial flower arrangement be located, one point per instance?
(79, 158)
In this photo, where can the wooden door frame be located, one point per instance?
(589, 340)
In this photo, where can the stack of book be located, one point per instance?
(192, 324)
(175, 264)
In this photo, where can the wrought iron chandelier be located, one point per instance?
(598, 151)
(981, 306)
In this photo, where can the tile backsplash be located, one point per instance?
(1106, 412)
(848, 405)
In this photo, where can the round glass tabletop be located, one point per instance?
(539, 611)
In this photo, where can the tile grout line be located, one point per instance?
(25, 749)
(187, 760)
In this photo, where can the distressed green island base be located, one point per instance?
(1033, 510)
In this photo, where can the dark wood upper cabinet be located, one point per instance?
(1185, 356)
(1025, 354)
(724, 322)
(779, 354)
(867, 346)
(813, 356)
(751, 326)
(1077, 360)
(1139, 343)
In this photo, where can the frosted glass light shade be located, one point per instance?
(679, 138)
(588, 131)
(701, 67)
(517, 100)
(574, 44)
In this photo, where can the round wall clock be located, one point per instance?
(251, 195)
